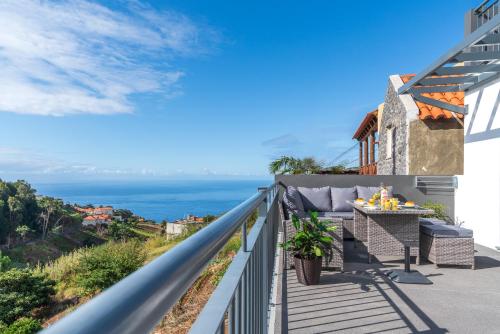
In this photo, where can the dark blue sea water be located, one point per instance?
(160, 199)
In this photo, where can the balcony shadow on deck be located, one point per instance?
(360, 300)
(363, 300)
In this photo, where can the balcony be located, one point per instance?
(370, 169)
(258, 295)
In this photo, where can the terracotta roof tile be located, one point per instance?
(431, 112)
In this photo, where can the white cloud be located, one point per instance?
(69, 57)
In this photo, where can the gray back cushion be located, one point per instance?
(316, 199)
(293, 202)
(340, 196)
(367, 192)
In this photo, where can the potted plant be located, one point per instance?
(309, 245)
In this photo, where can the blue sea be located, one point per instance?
(160, 199)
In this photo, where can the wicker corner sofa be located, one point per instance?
(331, 204)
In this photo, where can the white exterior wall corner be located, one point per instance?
(477, 200)
(411, 113)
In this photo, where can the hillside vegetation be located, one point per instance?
(55, 264)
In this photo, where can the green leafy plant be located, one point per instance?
(439, 211)
(119, 231)
(337, 169)
(22, 231)
(22, 291)
(105, 265)
(22, 326)
(4, 262)
(291, 165)
(311, 239)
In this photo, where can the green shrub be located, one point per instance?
(63, 269)
(21, 291)
(439, 210)
(22, 326)
(4, 262)
(103, 266)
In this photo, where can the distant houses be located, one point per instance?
(100, 215)
(97, 219)
(194, 219)
(180, 226)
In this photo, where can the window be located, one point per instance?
(388, 146)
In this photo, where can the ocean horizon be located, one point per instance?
(157, 200)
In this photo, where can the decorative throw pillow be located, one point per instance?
(316, 199)
(293, 202)
(367, 192)
(340, 196)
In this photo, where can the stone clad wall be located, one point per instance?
(394, 115)
(433, 147)
(436, 147)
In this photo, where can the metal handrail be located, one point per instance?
(243, 295)
(484, 7)
(137, 303)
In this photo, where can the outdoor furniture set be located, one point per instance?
(384, 232)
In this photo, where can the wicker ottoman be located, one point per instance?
(450, 251)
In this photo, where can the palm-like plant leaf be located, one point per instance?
(311, 239)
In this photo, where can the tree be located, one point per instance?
(337, 169)
(22, 231)
(118, 231)
(26, 195)
(209, 218)
(282, 165)
(16, 210)
(3, 220)
(51, 208)
(18, 206)
(309, 165)
(291, 165)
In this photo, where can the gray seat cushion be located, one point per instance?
(340, 196)
(292, 201)
(367, 192)
(430, 221)
(316, 199)
(336, 214)
(446, 231)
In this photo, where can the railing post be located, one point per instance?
(244, 237)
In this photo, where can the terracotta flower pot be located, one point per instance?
(308, 271)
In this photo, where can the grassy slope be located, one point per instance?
(55, 245)
(184, 313)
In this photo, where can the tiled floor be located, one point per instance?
(363, 300)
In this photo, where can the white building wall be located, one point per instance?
(478, 193)
(175, 229)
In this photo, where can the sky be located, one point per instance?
(200, 88)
